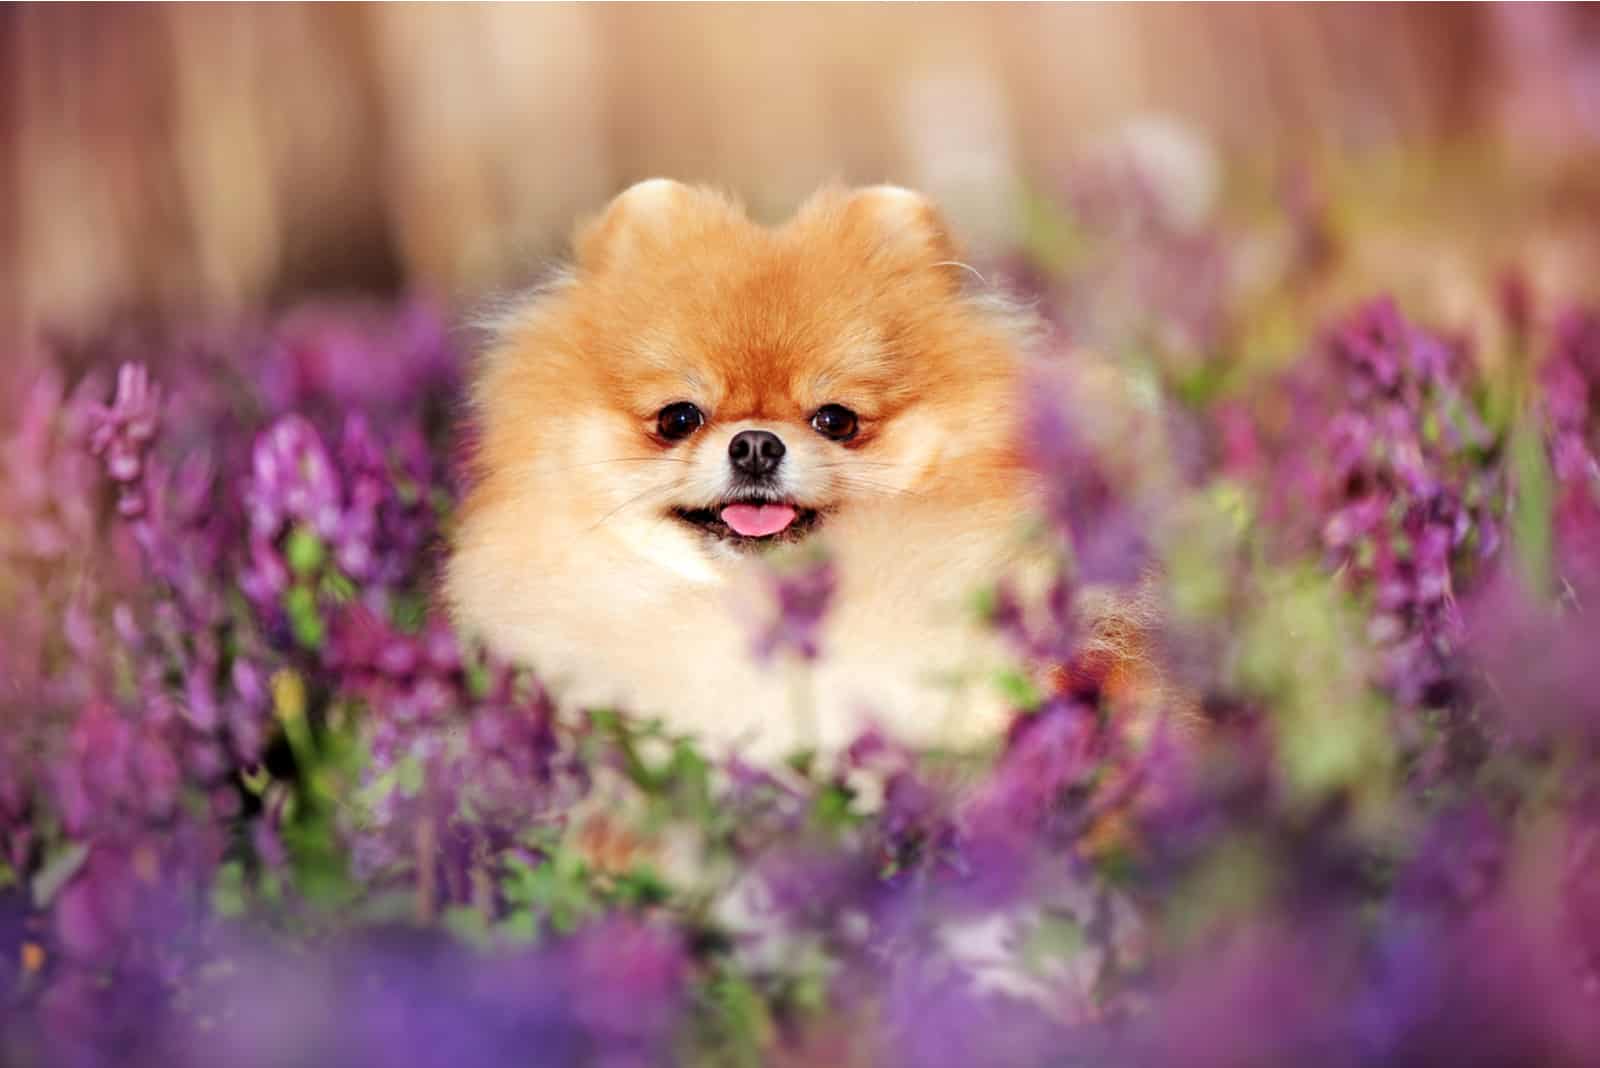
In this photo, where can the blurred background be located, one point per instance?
(219, 157)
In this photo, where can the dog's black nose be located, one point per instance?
(756, 453)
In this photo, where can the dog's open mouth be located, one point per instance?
(752, 522)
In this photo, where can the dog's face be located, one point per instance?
(703, 387)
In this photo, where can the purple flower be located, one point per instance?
(1143, 266)
(1569, 381)
(1286, 984)
(801, 597)
(124, 432)
(293, 479)
(224, 684)
(936, 1014)
(1105, 532)
(1540, 676)
(324, 354)
(1386, 469)
(1048, 753)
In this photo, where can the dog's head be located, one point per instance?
(701, 386)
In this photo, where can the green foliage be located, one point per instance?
(1532, 505)
(304, 551)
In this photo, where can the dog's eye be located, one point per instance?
(835, 421)
(677, 421)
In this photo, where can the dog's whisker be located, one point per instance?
(618, 460)
(830, 465)
(856, 482)
(667, 487)
(965, 267)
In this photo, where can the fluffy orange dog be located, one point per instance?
(699, 389)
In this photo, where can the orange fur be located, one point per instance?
(568, 556)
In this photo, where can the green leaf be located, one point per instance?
(605, 720)
(641, 886)
(521, 926)
(802, 761)
(304, 551)
(300, 605)
(58, 871)
(478, 678)
(558, 889)
(320, 871)
(408, 777)
(737, 1021)
(1018, 689)
(1297, 650)
(467, 924)
(337, 587)
(1430, 427)
(227, 890)
(1533, 504)
(983, 603)
(832, 808)
(409, 612)
(1051, 237)
(256, 780)
(1057, 937)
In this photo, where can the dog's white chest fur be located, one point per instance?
(653, 631)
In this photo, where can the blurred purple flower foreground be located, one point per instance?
(255, 796)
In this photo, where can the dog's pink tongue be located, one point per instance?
(758, 520)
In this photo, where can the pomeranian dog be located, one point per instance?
(699, 396)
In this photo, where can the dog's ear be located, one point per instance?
(644, 218)
(889, 221)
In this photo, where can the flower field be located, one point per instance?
(256, 796)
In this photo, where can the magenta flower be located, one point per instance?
(123, 433)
